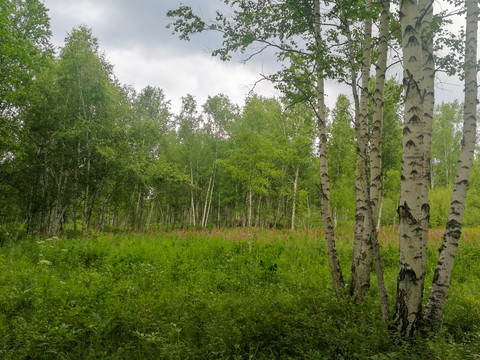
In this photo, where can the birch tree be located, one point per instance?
(443, 271)
(410, 282)
(363, 247)
(188, 126)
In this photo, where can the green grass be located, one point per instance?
(219, 294)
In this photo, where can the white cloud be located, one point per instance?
(87, 12)
(196, 74)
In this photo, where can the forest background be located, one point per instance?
(86, 156)
(82, 151)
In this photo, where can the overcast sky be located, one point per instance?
(134, 36)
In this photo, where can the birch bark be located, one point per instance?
(294, 198)
(376, 148)
(410, 281)
(443, 272)
(363, 251)
(333, 260)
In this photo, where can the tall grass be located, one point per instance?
(213, 294)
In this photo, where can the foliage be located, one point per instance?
(446, 137)
(202, 293)
(341, 160)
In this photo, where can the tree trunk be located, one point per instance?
(150, 213)
(257, 217)
(363, 247)
(205, 204)
(376, 150)
(104, 210)
(59, 210)
(294, 198)
(359, 186)
(86, 198)
(141, 207)
(75, 192)
(249, 205)
(410, 281)
(208, 197)
(426, 9)
(192, 201)
(443, 272)
(209, 208)
(338, 283)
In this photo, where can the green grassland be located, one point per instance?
(217, 294)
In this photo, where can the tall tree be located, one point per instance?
(86, 78)
(252, 159)
(220, 113)
(443, 272)
(24, 50)
(68, 133)
(376, 136)
(410, 282)
(188, 130)
(147, 134)
(363, 246)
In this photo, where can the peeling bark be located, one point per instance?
(333, 260)
(443, 271)
(410, 281)
(294, 198)
(363, 248)
(376, 149)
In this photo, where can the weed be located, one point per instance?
(206, 294)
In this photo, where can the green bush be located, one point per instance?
(440, 198)
(208, 294)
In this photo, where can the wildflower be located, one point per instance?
(13, 249)
(46, 262)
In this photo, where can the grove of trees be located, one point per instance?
(82, 152)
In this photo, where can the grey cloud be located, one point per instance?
(142, 24)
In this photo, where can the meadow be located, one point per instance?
(221, 293)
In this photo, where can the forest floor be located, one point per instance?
(222, 293)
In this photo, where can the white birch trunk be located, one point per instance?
(334, 262)
(376, 150)
(363, 251)
(443, 272)
(150, 213)
(86, 199)
(192, 201)
(249, 210)
(426, 9)
(205, 205)
(410, 281)
(294, 200)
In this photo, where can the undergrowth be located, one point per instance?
(218, 294)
